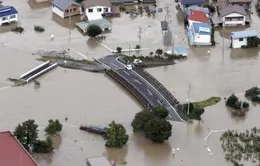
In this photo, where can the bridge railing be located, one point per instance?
(145, 102)
(158, 85)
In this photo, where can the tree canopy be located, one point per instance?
(43, 146)
(93, 30)
(140, 119)
(158, 130)
(116, 135)
(160, 112)
(53, 127)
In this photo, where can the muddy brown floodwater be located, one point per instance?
(89, 98)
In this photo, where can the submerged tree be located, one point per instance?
(116, 135)
(158, 130)
(140, 119)
(43, 146)
(93, 30)
(53, 127)
(160, 112)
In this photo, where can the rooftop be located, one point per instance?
(232, 9)
(7, 11)
(234, 1)
(197, 8)
(202, 28)
(103, 23)
(198, 16)
(243, 34)
(64, 4)
(12, 152)
(191, 2)
(98, 161)
(92, 3)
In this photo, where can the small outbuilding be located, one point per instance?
(104, 24)
(65, 8)
(239, 38)
(8, 14)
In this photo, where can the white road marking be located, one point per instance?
(159, 102)
(126, 72)
(138, 81)
(149, 92)
(114, 64)
(170, 116)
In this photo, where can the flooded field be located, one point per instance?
(89, 98)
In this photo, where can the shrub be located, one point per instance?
(119, 49)
(93, 30)
(38, 28)
(18, 29)
(252, 91)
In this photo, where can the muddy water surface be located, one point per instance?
(87, 98)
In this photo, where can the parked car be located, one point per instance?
(137, 61)
(128, 67)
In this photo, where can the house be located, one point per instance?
(225, 3)
(8, 14)
(12, 153)
(233, 16)
(244, 3)
(187, 3)
(104, 24)
(131, 2)
(239, 38)
(65, 8)
(95, 9)
(200, 34)
(197, 16)
(197, 8)
(99, 161)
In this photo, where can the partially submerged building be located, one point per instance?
(66, 8)
(200, 34)
(239, 38)
(8, 14)
(197, 16)
(12, 153)
(104, 24)
(99, 161)
(187, 3)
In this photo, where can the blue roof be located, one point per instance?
(191, 2)
(243, 34)
(7, 11)
(64, 4)
(202, 28)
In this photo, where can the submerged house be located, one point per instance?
(239, 38)
(8, 14)
(65, 8)
(199, 34)
(104, 24)
(189, 9)
(187, 3)
(234, 16)
(197, 16)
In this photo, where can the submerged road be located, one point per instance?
(147, 90)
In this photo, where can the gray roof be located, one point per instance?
(102, 23)
(64, 4)
(232, 9)
(234, 1)
(92, 3)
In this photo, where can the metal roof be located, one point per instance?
(7, 11)
(202, 28)
(244, 34)
(197, 8)
(12, 153)
(64, 4)
(234, 1)
(232, 9)
(92, 3)
(191, 2)
(102, 23)
(98, 161)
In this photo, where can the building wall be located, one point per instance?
(57, 11)
(202, 39)
(234, 23)
(237, 44)
(9, 19)
(95, 10)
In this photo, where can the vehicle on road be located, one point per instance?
(137, 61)
(128, 67)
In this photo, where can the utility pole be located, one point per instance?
(189, 98)
(140, 35)
(69, 28)
(223, 39)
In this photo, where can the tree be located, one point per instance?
(43, 146)
(141, 118)
(159, 51)
(93, 30)
(158, 130)
(119, 49)
(233, 102)
(53, 127)
(27, 133)
(116, 135)
(160, 112)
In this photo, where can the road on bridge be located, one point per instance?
(148, 91)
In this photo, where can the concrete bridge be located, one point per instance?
(149, 91)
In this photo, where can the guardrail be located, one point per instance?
(141, 98)
(173, 101)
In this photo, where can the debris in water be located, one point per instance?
(66, 118)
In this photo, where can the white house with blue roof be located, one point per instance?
(8, 14)
(66, 8)
(239, 38)
(200, 34)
